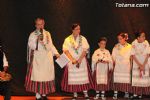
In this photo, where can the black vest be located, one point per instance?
(1, 59)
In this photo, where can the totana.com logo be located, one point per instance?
(132, 5)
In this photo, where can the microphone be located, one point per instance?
(41, 30)
(41, 35)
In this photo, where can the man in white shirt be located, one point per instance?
(4, 85)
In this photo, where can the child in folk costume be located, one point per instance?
(40, 77)
(140, 67)
(122, 66)
(101, 64)
(77, 76)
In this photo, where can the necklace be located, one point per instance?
(120, 46)
(73, 45)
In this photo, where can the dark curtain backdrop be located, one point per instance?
(97, 18)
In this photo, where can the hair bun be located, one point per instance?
(124, 35)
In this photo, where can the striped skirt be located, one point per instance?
(101, 87)
(141, 90)
(76, 88)
(123, 87)
(44, 87)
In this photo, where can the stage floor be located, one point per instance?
(55, 98)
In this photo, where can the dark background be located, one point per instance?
(97, 18)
